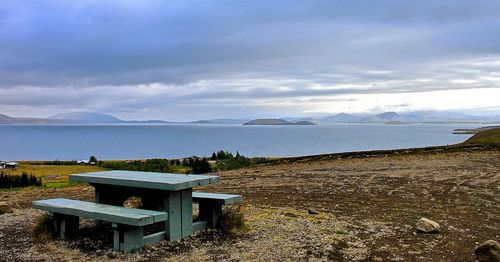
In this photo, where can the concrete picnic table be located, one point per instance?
(171, 193)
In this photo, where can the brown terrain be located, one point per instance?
(340, 207)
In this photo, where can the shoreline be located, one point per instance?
(340, 155)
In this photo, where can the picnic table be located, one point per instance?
(166, 199)
(172, 193)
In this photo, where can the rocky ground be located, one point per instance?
(366, 204)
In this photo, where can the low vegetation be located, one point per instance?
(232, 220)
(42, 228)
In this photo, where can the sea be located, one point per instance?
(73, 142)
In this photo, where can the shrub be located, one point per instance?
(12, 181)
(232, 220)
(43, 228)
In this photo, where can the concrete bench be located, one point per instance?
(210, 206)
(128, 223)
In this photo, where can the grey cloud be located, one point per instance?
(90, 55)
(59, 43)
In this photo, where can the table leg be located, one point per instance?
(179, 205)
(187, 212)
(172, 205)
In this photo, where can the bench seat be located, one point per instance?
(223, 199)
(113, 214)
(128, 223)
(210, 206)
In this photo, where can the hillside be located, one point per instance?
(339, 207)
(488, 136)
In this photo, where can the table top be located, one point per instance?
(162, 181)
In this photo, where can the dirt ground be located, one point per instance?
(367, 206)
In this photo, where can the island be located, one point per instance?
(274, 122)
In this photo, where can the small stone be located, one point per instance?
(5, 208)
(312, 211)
(425, 225)
(489, 251)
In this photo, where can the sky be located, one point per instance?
(188, 60)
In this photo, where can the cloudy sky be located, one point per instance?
(186, 60)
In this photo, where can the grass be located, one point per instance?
(61, 184)
(490, 136)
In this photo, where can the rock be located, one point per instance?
(489, 251)
(425, 225)
(312, 211)
(5, 208)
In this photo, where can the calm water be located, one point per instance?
(65, 142)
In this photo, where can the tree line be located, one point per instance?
(225, 160)
(219, 161)
(23, 180)
(196, 165)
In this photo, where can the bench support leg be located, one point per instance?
(211, 213)
(127, 238)
(65, 226)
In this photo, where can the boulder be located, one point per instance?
(425, 225)
(489, 251)
(133, 202)
(5, 208)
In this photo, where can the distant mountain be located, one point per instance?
(146, 122)
(304, 123)
(220, 121)
(86, 117)
(297, 119)
(383, 117)
(441, 117)
(4, 119)
(272, 121)
(341, 118)
(433, 116)
(201, 122)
